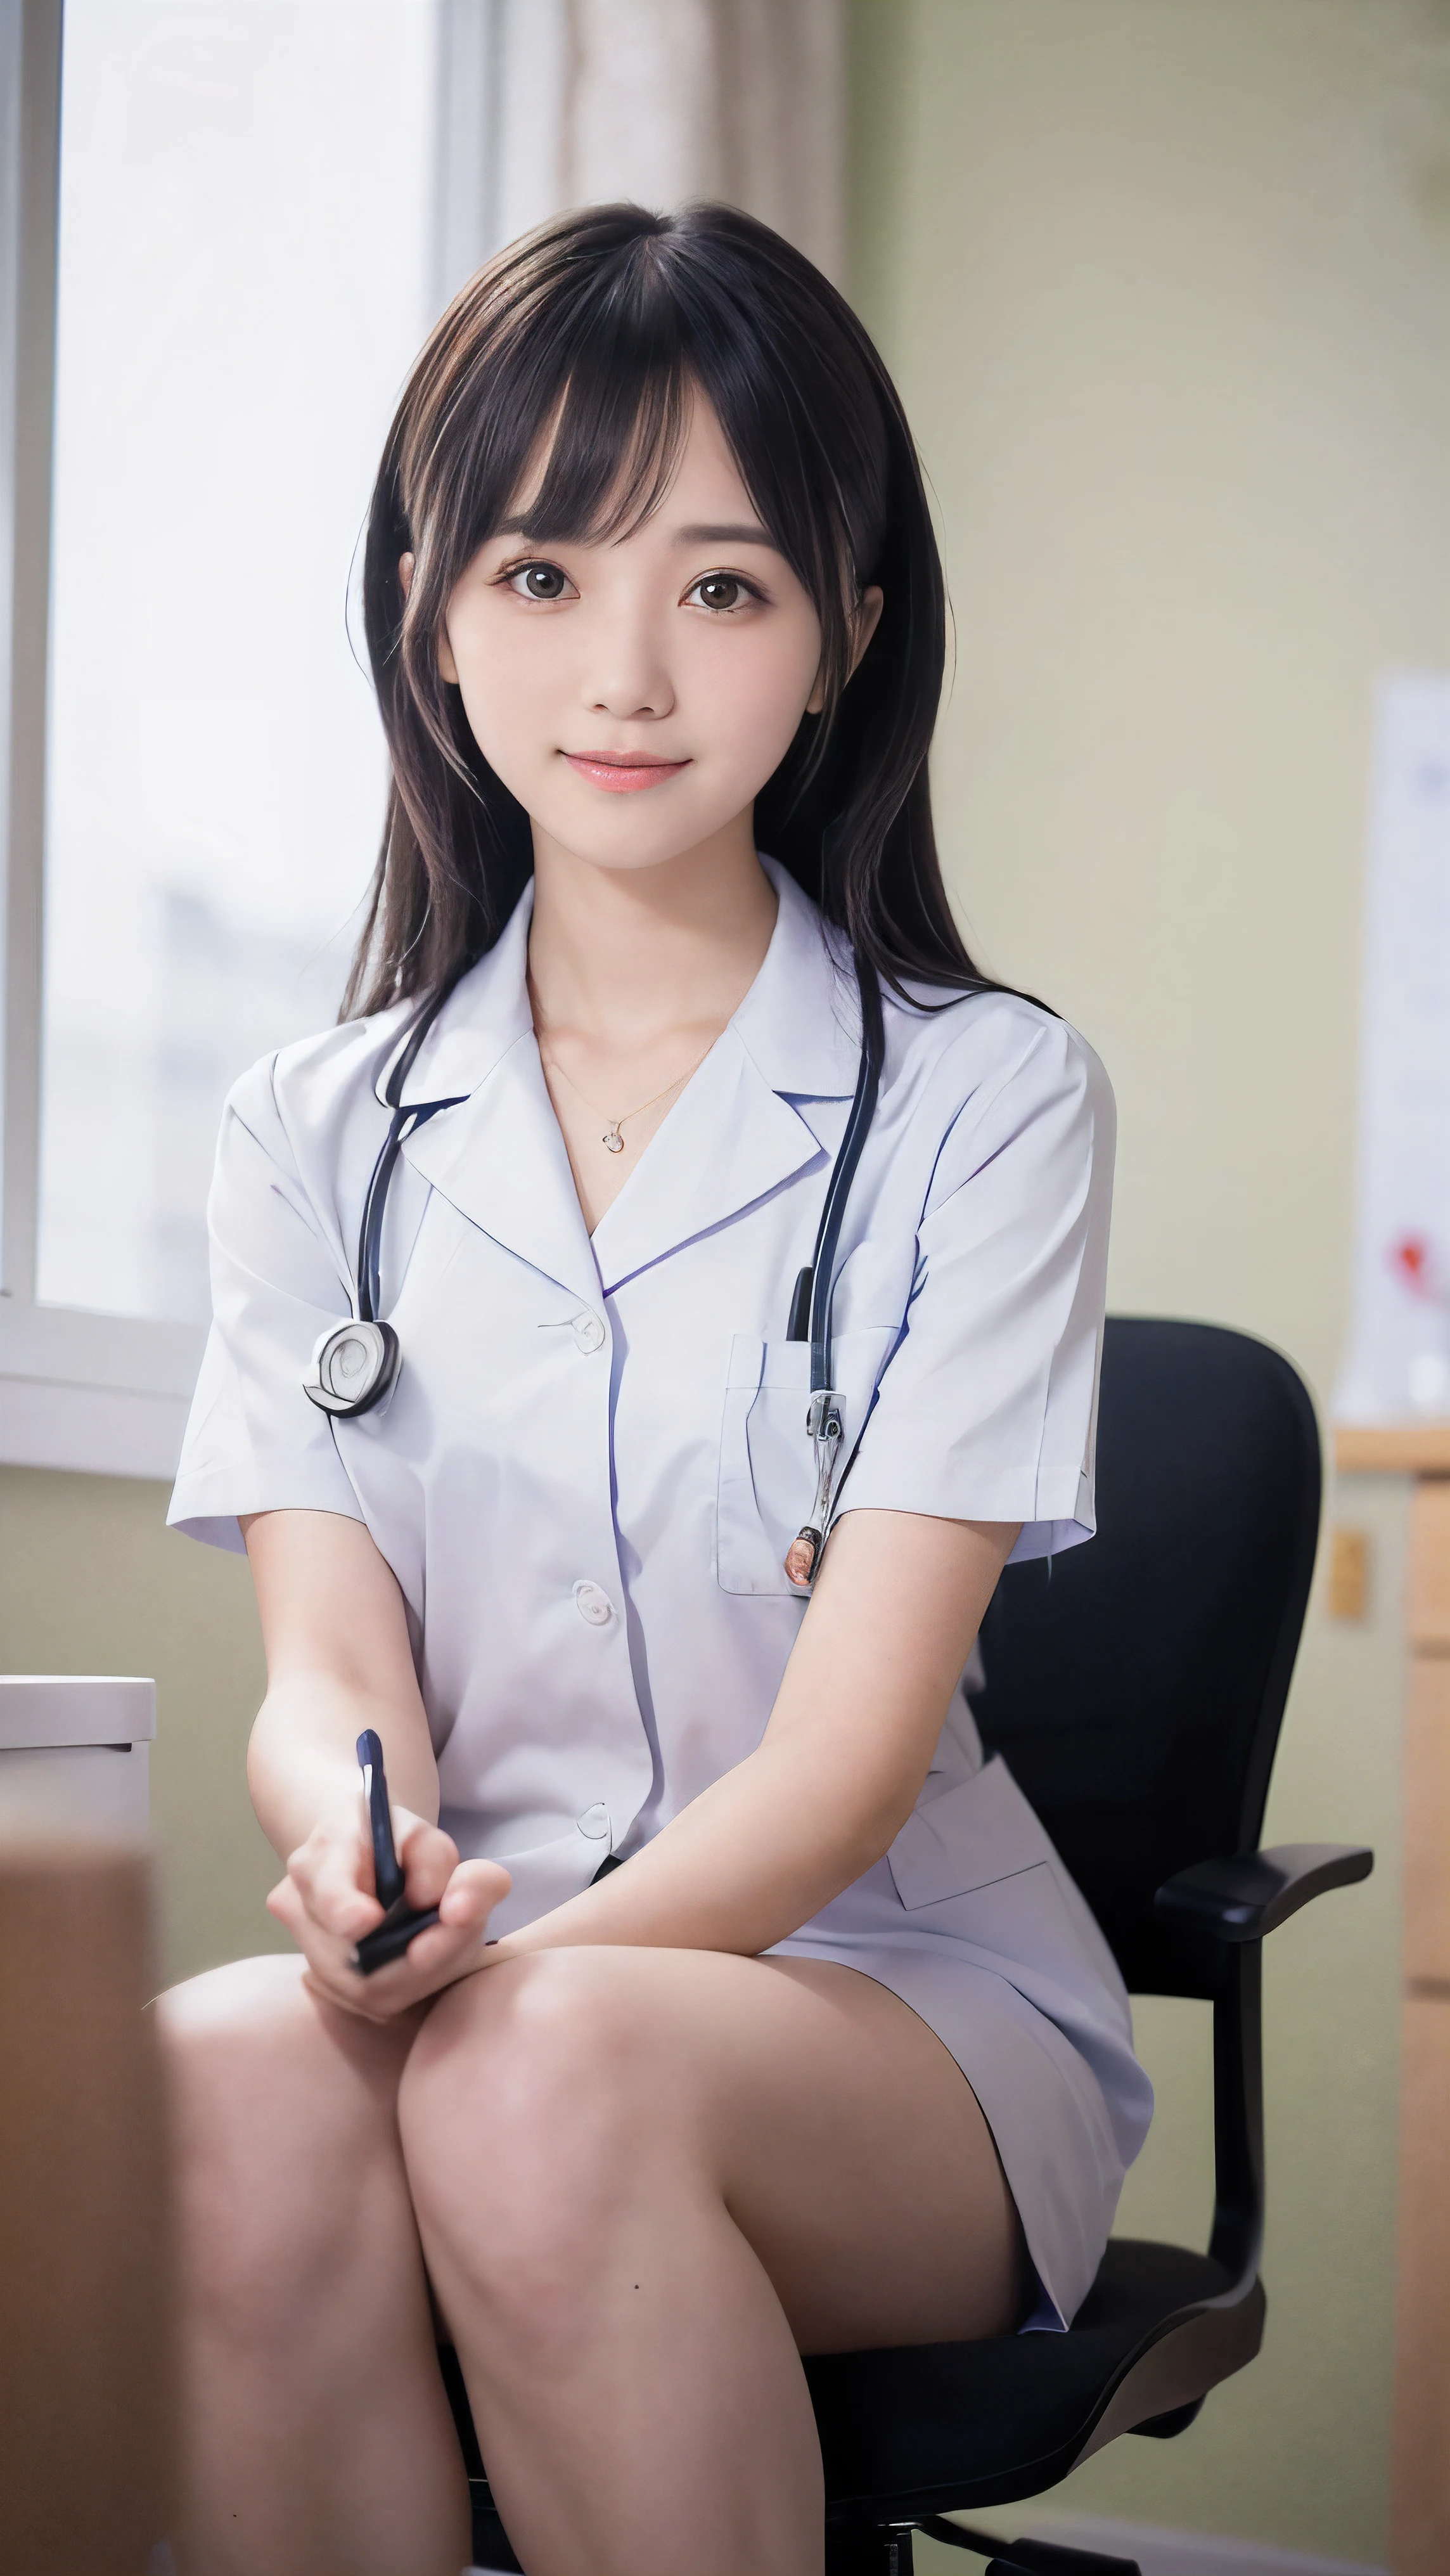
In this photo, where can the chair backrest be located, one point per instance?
(1135, 1686)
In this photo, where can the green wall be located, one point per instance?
(92, 1581)
(1166, 287)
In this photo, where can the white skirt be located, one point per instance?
(1017, 1982)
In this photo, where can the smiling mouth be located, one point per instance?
(621, 772)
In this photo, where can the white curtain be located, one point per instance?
(544, 104)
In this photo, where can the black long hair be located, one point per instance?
(585, 341)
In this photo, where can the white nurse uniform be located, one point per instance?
(595, 1456)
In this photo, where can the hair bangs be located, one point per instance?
(608, 455)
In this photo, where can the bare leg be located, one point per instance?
(646, 2179)
(318, 2434)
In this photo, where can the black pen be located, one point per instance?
(400, 1924)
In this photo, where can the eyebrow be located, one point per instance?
(727, 533)
(730, 534)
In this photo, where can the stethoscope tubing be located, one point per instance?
(811, 1307)
(843, 1173)
(406, 1119)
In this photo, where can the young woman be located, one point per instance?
(838, 2056)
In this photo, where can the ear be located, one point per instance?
(865, 618)
(866, 621)
(447, 667)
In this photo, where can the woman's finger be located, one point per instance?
(429, 1857)
(330, 1972)
(285, 1903)
(452, 1948)
(473, 1891)
(329, 1875)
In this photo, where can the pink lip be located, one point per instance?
(620, 772)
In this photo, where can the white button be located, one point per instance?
(593, 1605)
(595, 1822)
(588, 1332)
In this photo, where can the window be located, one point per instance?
(259, 207)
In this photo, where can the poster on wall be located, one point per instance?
(1397, 1366)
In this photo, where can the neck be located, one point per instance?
(623, 956)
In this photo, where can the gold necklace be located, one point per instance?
(611, 1140)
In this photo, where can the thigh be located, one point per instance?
(857, 2160)
(284, 2113)
(841, 2134)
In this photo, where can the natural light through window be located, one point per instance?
(246, 210)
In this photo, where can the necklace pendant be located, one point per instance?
(612, 1141)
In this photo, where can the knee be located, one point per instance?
(225, 2038)
(525, 2084)
(270, 2152)
(534, 2122)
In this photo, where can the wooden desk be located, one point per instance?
(86, 2361)
(1420, 2459)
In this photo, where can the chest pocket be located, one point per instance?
(767, 1463)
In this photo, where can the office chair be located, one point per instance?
(1135, 1688)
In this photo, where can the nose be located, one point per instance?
(627, 675)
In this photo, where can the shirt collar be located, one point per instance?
(486, 1013)
(799, 1022)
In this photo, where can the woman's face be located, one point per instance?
(636, 694)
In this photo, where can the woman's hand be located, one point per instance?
(327, 1901)
(340, 1661)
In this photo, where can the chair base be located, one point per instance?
(868, 2552)
(887, 2551)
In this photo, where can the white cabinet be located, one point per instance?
(74, 1751)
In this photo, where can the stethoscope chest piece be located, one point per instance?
(353, 1367)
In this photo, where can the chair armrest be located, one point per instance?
(1247, 1894)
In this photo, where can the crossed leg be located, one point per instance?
(646, 2180)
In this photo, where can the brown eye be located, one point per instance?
(719, 590)
(539, 581)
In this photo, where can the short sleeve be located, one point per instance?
(987, 1409)
(254, 1442)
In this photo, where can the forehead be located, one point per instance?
(670, 476)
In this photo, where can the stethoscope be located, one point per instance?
(355, 1365)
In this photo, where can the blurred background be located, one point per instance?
(1166, 288)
